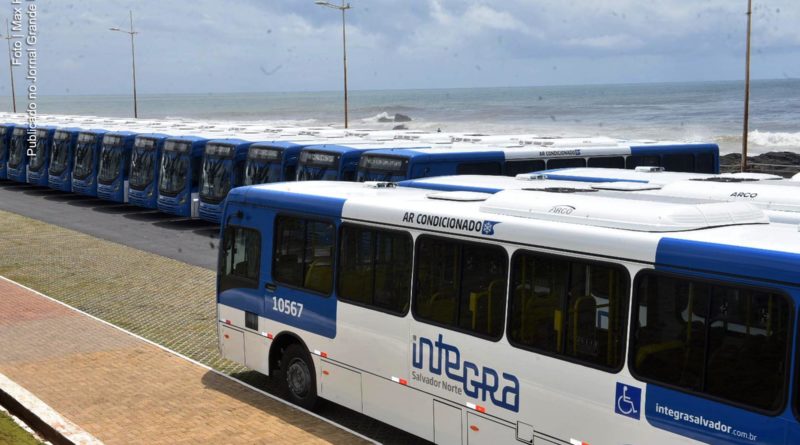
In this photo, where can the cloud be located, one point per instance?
(212, 46)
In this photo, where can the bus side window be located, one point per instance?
(721, 340)
(607, 162)
(634, 161)
(478, 168)
(375, 268)
(514, 168)
(566, 163)
(240, 258)
(678, 162)
(461, 285)
(568, 308)
(704, 163)
(303, 255)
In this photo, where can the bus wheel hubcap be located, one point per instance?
(298, 378)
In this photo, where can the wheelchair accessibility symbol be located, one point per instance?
(628, 400)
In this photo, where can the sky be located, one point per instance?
(213, 46)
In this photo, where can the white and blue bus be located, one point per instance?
(39, 161)
(86, 161)
(144, 169)
(179, 176)
(17, 167)
(114, 166)
(223, 170)
(520, 316)
(396, 164)
(5, 138)
(339, 162)
(59, 171)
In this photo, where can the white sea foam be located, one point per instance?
(776, 140)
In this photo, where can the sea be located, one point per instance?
(695, 111)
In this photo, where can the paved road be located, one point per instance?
(190, 241)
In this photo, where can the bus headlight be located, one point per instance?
(150, 193)
(183, 200)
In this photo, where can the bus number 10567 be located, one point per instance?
(288, 307)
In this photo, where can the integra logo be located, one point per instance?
(743, 195)
(476, 382)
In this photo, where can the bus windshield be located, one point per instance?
(318, 166)
(17, 151)
(216, 180)
(380, 168)
(83, 156)
(174, 170)
(37, 161)
(59, 156)
(111, 157)
(263, 166)
(3, 145)
(142, 161)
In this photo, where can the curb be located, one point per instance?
(40, 417)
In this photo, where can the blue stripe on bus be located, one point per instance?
(709, 421)
(446, 187)
(280, 200)
(643, 150)
(758, 264)
(567, 177)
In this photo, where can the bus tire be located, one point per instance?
(298, 378)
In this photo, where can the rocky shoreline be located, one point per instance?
(784, 163)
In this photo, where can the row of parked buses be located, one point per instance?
(187, 169)
(571, 305)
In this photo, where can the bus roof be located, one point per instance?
(650, 175)
(619, 227)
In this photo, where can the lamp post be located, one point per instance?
(10, 67)
(343, 7)
(746, 87)
(132, 33)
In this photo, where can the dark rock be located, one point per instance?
(401, 118)
(385, 119)
(400, 127)
(784, 163)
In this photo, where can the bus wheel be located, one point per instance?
(297, 371)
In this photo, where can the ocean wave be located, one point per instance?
(383, 117)
(770, 139)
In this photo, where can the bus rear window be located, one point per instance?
(303, 255)
(461, 285)
(720, 340)
(375, 268)
(240, 258)
(568, 308)
(566, 163)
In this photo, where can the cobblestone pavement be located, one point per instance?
(123, 390)
(163, 300)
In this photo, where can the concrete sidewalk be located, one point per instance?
(122, 389)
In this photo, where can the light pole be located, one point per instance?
(132, 33)
(746, 87)
(343, 7)
(11, 67)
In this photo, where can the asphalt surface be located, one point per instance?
(191, 241)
